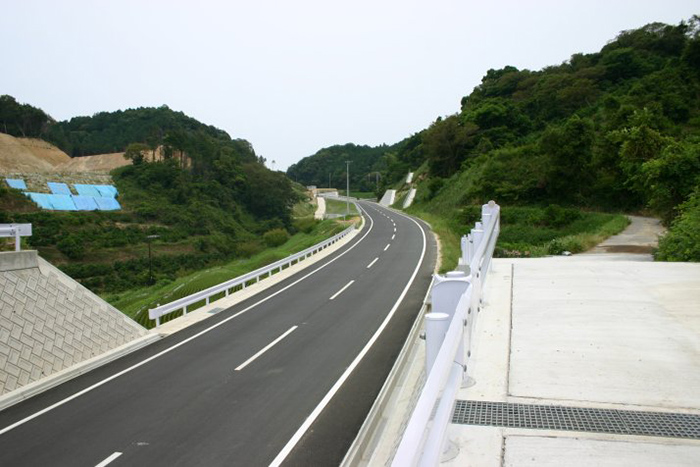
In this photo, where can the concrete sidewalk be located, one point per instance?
(609, 333)
(580, 332)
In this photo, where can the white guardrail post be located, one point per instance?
(456, 300)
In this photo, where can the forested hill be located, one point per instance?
(617, 129)
(208, 198)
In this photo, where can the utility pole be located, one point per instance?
(347, 190)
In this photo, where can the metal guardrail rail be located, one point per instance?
(456, 299)
(226, 287)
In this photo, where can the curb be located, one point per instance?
(37, 387)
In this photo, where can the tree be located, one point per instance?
(136, 152)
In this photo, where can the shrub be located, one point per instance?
(275, 237)
(682, 242)
(305, 224)
(72, 247)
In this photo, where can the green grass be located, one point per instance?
(359, 194)
(136, 302)
(526, 231)
(334, 206)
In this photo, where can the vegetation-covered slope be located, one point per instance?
(615, 130)
(207, 200)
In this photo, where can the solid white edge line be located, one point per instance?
(265, 349)
(179, 344)
(336, 387)
(109, 459)
(372, 263)
(342, 290)
(387, 246)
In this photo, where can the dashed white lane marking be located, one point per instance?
(372, 263)
(109, 459)
(394, 229)
(266, 348)
(342, 290)
(387, 246)
(393, 236)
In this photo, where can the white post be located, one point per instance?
(436, 326)
(17, 245)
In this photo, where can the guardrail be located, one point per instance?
(226, 287)
(16, 231)
(456, 299)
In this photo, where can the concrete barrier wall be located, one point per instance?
(49, 322)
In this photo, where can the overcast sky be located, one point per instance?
(293, 76)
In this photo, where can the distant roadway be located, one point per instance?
(286, 377)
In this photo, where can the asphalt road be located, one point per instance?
(290, 380)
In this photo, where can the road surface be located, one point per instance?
(287, 376)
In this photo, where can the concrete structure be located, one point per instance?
(409, 198)
(389, 198)
(409, 177)
(49, 322)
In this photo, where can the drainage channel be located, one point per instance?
(548, 417)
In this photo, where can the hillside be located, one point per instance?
(33, 155)
(204, 200)
(616, 130)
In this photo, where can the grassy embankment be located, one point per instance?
(526, 231)
(136, 302)
(336, 206)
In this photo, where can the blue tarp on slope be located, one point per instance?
(84, 203)
(62, 203)
(59, 188)
(86, 190)
(41, 199)
(107, 204)
(17, 183)
(53, 202)
(107, 191)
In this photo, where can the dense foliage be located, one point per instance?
(22, 119)
(618, 129)
(205, 200)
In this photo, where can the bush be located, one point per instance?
(682, 242)
(556, 216)
(275, 237)
(72, 247)
(305, 224)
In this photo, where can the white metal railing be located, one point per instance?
(16, 231)
(225, 287)
(456, 298)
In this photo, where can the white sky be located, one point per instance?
(294, 76)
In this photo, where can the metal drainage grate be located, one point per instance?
(547, 417)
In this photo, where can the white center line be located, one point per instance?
(394, 229)
(392, 237)
(372, 263)
(387, 246)
(342, 290)
(109, 459)
(266, 348)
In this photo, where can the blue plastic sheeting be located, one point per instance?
(107, 191)
(53, 202)
(107, 204)
(59, 188)
(62, 203)
(87, 190)
(85, 203)
(41, 199)
(17, 183)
